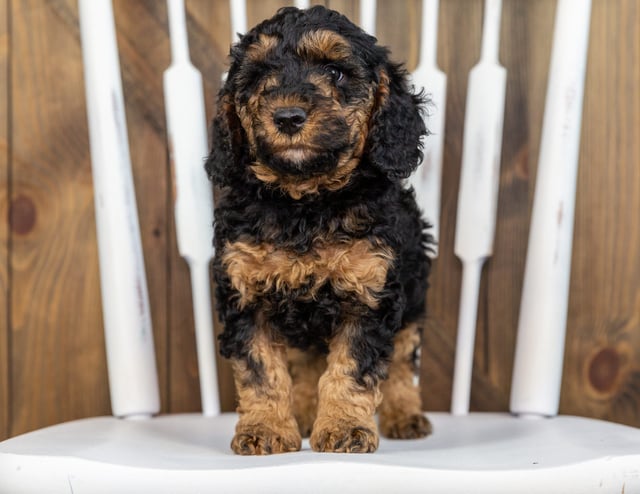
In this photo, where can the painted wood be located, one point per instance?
(478, 194)
(193, 197)
(209, 32)
(427, 179)
(144, 52)
(131, 362)
(368, 18)
(484, 453)
(539, 354)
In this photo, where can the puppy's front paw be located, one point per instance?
(344, 437)
(260, 440)
(405, 426)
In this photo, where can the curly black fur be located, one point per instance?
(253, 211)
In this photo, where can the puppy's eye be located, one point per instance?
(335, 73)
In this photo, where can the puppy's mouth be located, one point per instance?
(295, 154)
(304, 166)
(302, 160)
(299, 161)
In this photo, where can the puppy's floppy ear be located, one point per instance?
(227, 142)
(396, 126)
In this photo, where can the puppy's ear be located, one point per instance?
(227, 142)
(396, 127)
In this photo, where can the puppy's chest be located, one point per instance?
(354, 268)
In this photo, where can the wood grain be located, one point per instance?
(258, 10)
(350, 8)
(57, 356)
(52, 363)
(602, 363)
(4, 213)
(398, 27)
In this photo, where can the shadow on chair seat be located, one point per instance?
(478, 453)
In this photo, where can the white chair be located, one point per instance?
(476, 453)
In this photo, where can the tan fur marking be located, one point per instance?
(267, 424)
(323, 45)
(305, 369)
(345, 420)
(259, 51)
(401, 414)
(383, 90)
(354, 267)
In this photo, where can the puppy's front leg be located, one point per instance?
(345, 421)
(266, 423)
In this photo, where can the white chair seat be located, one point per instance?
(479, 453)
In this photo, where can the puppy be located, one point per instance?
(321, 265)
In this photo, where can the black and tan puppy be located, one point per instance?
(321, 264)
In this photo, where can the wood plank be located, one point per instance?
(4, 230)
(398, 27)
(602, 363)
(350, 8)
(58, 366)
(259, 10)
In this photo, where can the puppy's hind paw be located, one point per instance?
(413, 426)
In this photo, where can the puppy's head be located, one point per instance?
(308, 99)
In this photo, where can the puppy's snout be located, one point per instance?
(290, 119)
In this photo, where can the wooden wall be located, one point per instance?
(52, 364)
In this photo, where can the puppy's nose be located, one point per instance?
(290, 119)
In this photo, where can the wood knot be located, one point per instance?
(22, 215)
(604, 369)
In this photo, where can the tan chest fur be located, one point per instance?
(354, 267)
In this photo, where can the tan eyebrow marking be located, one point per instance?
(259, 50)
(323, 45)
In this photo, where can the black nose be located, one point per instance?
(289, 120)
